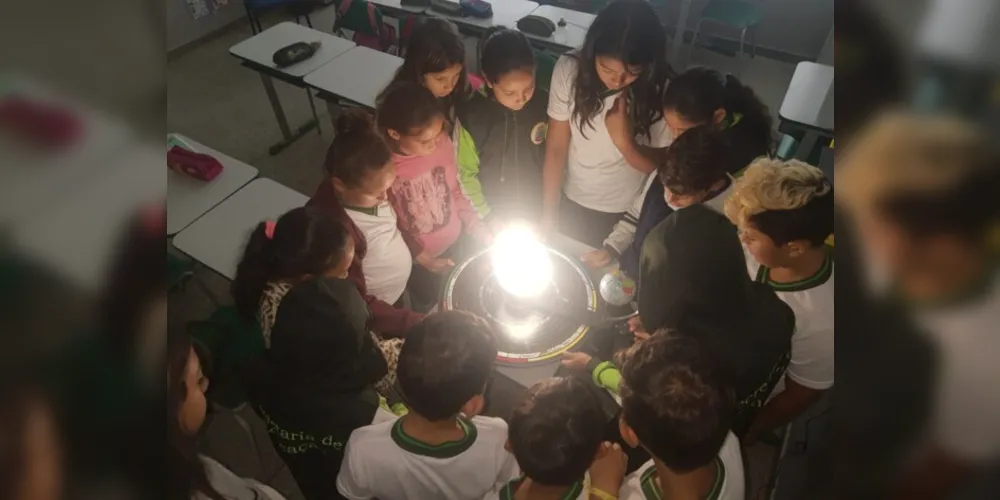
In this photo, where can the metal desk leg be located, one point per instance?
(279, 114)
(678, 39)
(333, 110)
(806, 146)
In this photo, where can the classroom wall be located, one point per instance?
(796, 27)
(182, 28)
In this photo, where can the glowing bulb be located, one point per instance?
(521, 262)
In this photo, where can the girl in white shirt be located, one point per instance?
(621, 61)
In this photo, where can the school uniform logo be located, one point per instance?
(539, 132)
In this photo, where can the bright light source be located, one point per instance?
(521, 262)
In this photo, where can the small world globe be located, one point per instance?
(617, 289)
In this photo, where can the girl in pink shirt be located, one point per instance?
(426, 194)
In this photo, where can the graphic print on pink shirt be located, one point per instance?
(427, 200)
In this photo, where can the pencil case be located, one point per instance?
(39, 123)
(198, 165)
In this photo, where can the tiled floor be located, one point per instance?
(214, 100)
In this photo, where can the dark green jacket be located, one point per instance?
(500, 155)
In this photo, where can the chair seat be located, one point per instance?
(735, 13)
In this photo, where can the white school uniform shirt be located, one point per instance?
(623, 234)
(388, 262)
(597, 175)
(382, 461)
(811, 299)
(966, 400)
(578, 491)
(728, 485)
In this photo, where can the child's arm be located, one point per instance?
(557, 140)
(623, 233)
(350, 481)
(468, 172)
(469, 215)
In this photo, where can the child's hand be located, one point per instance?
(638, 331)
(608, 471)
(616, 120)
(436, 266)
(596, 259)
(575, 360)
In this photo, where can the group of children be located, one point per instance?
(652, 165)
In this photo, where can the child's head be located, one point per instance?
(782, 209)
(435, 58)
(410, 117)
(694, 165)
(556, 431)
(445, 363)
(508, 64)
(704, 96)
(359, 162)
(623, 47)
(922, 191)
(305, 242)
(675, 401)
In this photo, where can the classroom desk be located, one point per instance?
(257, 52)
(217, 239)
(567, 37)
(505, 13)
(808, 106)
(79, 234)
(357, 76)
(189, 198)
(396, 8)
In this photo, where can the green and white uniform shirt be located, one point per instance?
(382, 461)
(728, 484)
(811, 300)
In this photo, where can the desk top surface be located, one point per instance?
(260, 48)
(505, 13)
(809, 98)
(358, 75)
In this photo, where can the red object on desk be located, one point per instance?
(198, 165)
(39, 123)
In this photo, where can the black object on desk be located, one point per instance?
(296, 52)
(536, 25)
(450, 7)
(415, 3)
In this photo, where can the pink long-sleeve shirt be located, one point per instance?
(429, 200)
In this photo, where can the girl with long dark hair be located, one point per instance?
(191, 475)
(435, 58)
(323, 370)
(621, 63)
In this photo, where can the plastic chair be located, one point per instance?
(180, 272)
(297, 8)
(545, 63)
(738, 14)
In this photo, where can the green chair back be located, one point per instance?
(229, 343)
(735, 13)
(545, 63)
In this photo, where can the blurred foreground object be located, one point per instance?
(922, 190)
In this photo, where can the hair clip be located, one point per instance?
(269, 229)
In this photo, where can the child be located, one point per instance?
(319, 377)
(692, 171)
(441, 448)
(555, 435)
(359, 171)
(622, 55)
(190, 474)
(500, 151)
(784, 211)
(426, 193)
(435, 58)
(678, 406)
(921, 191)
(695, 281)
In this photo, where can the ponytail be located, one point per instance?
(304, 242)
(754, 137)
(698, 92)
(253, 272)
(357, 149)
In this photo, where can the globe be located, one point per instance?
(616, 288)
